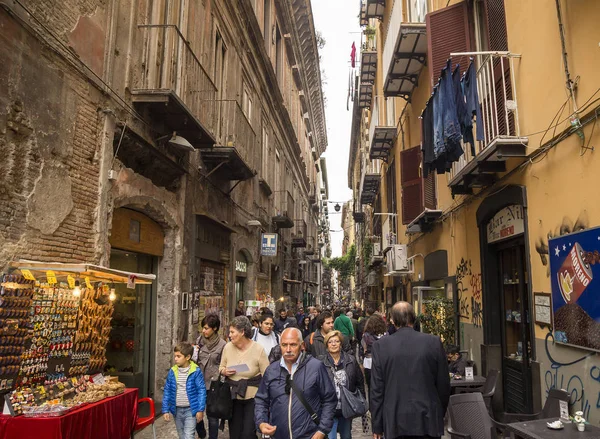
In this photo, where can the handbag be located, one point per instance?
(353, 403)
(218, 400)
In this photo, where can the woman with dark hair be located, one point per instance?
(343, 370)
(374, 329)
(243, 363)
(210, 348)
(264, 334)
(305, 327)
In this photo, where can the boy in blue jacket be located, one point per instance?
(184, 397)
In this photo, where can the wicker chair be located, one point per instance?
(551, 408)
(469, 418)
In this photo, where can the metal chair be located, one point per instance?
(143, 422)
(550, 410)
(469, 418)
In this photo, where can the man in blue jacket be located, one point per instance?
(279, 411)
(184, 397)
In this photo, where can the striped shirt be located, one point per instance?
(182, 398)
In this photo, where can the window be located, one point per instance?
(247, 103)
(219, 62)
(266, 156)
(418, 193)
(417, 11)
(267, 25)
(279, 55)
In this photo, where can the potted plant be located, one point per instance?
(579, 421)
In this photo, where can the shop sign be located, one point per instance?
(241, 266)
(574, 279)
(269, 244)
(505, 224)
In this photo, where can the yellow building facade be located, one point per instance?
(479, 233)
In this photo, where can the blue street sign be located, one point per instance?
(269, 244)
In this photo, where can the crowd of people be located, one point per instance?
(307, 375)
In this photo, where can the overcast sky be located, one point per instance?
(337, 20)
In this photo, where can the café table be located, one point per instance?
(539, 430)
(477, 381)
(110, 418)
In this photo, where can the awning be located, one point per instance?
(382, 143)
(217, 222)
(409, 58)
(95, 273)
(291, 281)
(228, 161)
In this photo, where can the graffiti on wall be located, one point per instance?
(467, 281)
(566, 226)
(463, 270)
(562, 376)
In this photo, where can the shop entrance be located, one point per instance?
(136, 244)
(129, 347)
(516, 331)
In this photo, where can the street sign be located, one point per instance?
(269, 244)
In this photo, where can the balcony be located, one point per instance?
(365, 95)
(284, 214)
(173, 91)
(359, 217)
(404, 54)
(371, 9)
(232, 159)
(382, 135)
(370, 180)
(368, 61)
(299, 237)
(478, 167)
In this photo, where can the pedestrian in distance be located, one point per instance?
(343, 371)
(243, 363)
(315, 342)
(296, 398)
(184, 397)
(343, 324)
(374, 330)
(208, 358)
(265, 335)
(285, 321)
(313, 312)
(305, 327)
(410, 385)
(241, 309)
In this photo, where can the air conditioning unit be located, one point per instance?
(397, 260)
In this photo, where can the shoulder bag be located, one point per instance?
(218, 400)
(353, 403)
(300, 395)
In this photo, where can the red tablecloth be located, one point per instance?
(111, 418)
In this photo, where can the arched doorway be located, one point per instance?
(136, 244)
(241, 274)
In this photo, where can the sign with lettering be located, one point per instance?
(241, 266)
(507, 223)
(268, 244)
(469, 373)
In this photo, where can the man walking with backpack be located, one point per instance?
(315, 342)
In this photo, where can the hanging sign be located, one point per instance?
(269, 244)
(51, 277)
(507, 223)
(71, 281)
(241, 266)
(27, 275)
(131, 282)
(88, 284)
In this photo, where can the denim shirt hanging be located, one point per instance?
(473, 107)
(447, 134)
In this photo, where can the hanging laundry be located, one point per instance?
(464, 119)
(472, 103)
(353, 55)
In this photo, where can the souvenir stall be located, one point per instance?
(55, 323)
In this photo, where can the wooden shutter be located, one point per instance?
(412, 184)
(497, 40)
(448, 31)
(429, 198)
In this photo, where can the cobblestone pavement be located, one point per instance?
(166, 430)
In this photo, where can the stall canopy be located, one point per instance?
(95, 273)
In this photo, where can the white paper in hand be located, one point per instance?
(239, 368)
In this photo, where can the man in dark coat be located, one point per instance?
(284, 321)
(278, 410)
(410, 385)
